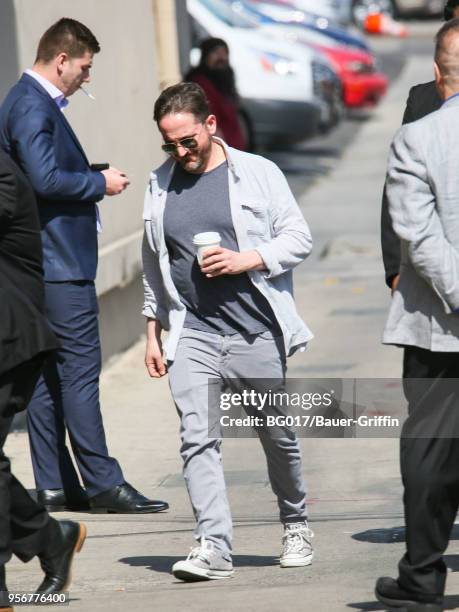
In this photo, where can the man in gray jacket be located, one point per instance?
(423, 195)
(230, 318)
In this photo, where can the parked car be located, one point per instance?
(291, 12)
(395, 8)
(346, 11)
(362, 84)
(334, 11)
(282, 85)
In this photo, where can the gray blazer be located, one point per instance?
(423, 193)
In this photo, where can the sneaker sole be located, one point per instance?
(196, 574)
(297, 562)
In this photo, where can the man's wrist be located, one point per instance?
(154, 329)
(254, 261)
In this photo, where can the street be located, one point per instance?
(354, 489)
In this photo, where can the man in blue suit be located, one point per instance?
(36, 134)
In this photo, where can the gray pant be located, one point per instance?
(202, 356)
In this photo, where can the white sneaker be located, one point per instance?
(297, 545)
(203, 563)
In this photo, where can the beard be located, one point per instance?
(195, 162)
(223, 78)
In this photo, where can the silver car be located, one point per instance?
(346, 11)
(338, 11)
(395, 8)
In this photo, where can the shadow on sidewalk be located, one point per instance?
(393, 535)
(451, 603)
(163, 564)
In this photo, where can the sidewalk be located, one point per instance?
(354, 487)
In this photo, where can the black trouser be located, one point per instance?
(429, 461)
(25, 526)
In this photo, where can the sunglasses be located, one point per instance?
(186, 143)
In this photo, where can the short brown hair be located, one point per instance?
(182, 98)
(447, 50)
(66, 36)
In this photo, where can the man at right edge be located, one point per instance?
(422, 191)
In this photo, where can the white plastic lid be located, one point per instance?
(206, 238)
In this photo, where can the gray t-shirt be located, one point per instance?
(226, 304)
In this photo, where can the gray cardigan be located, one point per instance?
(266, 218)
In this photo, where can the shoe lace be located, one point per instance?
(202, 552)
(295, 537)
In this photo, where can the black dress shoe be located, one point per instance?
(58, 500)
(56, 561)
(4, 602)
(391, 594)
(124, 499)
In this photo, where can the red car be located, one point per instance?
(362, 84)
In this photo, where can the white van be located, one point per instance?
(278, 81)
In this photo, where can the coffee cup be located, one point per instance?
(204, 241)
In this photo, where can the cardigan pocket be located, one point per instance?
(256, 218)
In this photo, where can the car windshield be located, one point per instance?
(229, 13)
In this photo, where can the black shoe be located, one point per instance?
(124, 499)
(58, 500)
(391, 594)
(4, 601)
(57, 563)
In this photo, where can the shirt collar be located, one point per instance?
(456, 95)
(55, 93)
(228, 155)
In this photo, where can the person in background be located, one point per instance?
(216, 77)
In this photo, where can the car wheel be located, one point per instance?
(338, 104)
(362, 8)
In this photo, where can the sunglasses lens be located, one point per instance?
(189, 143)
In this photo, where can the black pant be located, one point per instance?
(429, 459)
(25, 526)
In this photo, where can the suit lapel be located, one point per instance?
(69, 129)
(31, 82)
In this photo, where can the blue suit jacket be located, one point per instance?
(35, 133)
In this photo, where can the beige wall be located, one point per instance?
(118, 126)
(166, 31)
